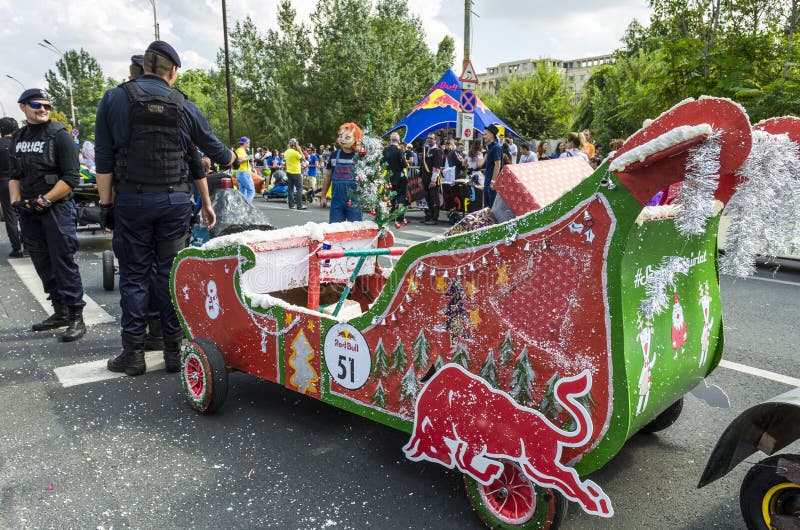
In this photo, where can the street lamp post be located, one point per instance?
(155, 21)
(47, 45)
(15, 80)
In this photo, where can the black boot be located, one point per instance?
(75, 327)
(172, 352)
(131, 360)
(155, 338)
(58, 319)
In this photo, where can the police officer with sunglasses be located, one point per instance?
(144, 136)
(45, 169)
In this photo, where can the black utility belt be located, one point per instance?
(130, 187)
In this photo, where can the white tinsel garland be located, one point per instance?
(695, 197)
(763, 211)
(373, 192)
(657, 283)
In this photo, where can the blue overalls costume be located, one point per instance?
(45, 154)
(343, 182)
(143, 132)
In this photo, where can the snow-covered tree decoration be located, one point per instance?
(657, 283)
(438, 363)
(373, 191)
(461, 356)
(409, 386)
(506, 350)
(379, 397)
(489, 370)
(399, 359)
(695, 197)
(763, 211)
(588, 403)
(549, 405)
(523, 379)
(421, 350)
(380, 361)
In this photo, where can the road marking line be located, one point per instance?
(92, 314)
(796, 284)
(758, 372)
(407, 242)
(94, 371)
(427, 235)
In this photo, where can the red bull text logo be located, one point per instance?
(438, 99)
(462, 421)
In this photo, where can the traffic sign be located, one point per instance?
(469, 75)
(468, 101)
(466, 85)
(466, 122)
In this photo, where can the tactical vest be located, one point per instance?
(153, 160)
(35, 152)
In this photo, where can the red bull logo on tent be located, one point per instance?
(438, 99)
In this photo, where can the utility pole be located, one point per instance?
(47, 45)
(155, 21)
(227, 73)
(467, 32)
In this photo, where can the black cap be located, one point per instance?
(33, 93)
(160, 47)
(492, 128)
(137, 60)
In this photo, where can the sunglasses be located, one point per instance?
(35, 105)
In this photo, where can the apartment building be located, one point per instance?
(574, 72)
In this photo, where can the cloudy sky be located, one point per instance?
(113, 30)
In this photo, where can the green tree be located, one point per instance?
(399, 357)
(88, 85)
(461, 356)
(506, 350)
(488, 370)
(409, 386)
(523, 379)
(379, 397)
(206, 89)
(380, 363)
(421, 350)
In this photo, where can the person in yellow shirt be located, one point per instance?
(243, 177)
(293, 157)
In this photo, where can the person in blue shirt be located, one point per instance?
(492, 164)
(340, 172)
(144, 137)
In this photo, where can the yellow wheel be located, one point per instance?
(767, 498)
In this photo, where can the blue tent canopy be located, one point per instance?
(439, 110)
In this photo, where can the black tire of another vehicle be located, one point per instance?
(765, 493)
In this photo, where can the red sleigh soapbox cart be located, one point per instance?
(518, 352)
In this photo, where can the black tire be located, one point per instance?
(765, 494)
(665, 419)
(535, 508)
(108, 270)
(204, 376)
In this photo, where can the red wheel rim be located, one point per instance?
(512, 497)
(195, 375)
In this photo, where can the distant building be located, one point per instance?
(575, 72)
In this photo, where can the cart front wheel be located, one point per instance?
(205, 379)
(665, 419)
(108, 270)
(767, 498)
(513, 501)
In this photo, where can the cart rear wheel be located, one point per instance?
(513, 501)
(205, 379)
(766, 495)
(108, 270)
(665, 419)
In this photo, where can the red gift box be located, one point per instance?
(534, 185)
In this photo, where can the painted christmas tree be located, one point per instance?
(373, 192)
(399, 360)
(506, 350)
(523, 379)
(457, 320)
(421, 350)
(549, 406)
(461, 356)
(379, 397)
(409, 387)
(489, 370)
(588, 403)
(380, 363)
(438, 363)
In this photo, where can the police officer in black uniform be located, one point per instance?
(10, 216)
(144, 132)
(45, 169)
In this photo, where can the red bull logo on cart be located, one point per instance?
(462, 421)
(438, 99)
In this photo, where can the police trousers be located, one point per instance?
(51, 238)
(149, 231)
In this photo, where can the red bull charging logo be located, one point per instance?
(438, 99)
(462, 421)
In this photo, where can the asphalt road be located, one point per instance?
(130, 453)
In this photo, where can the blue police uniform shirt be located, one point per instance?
(493, 152)
(112, 126)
